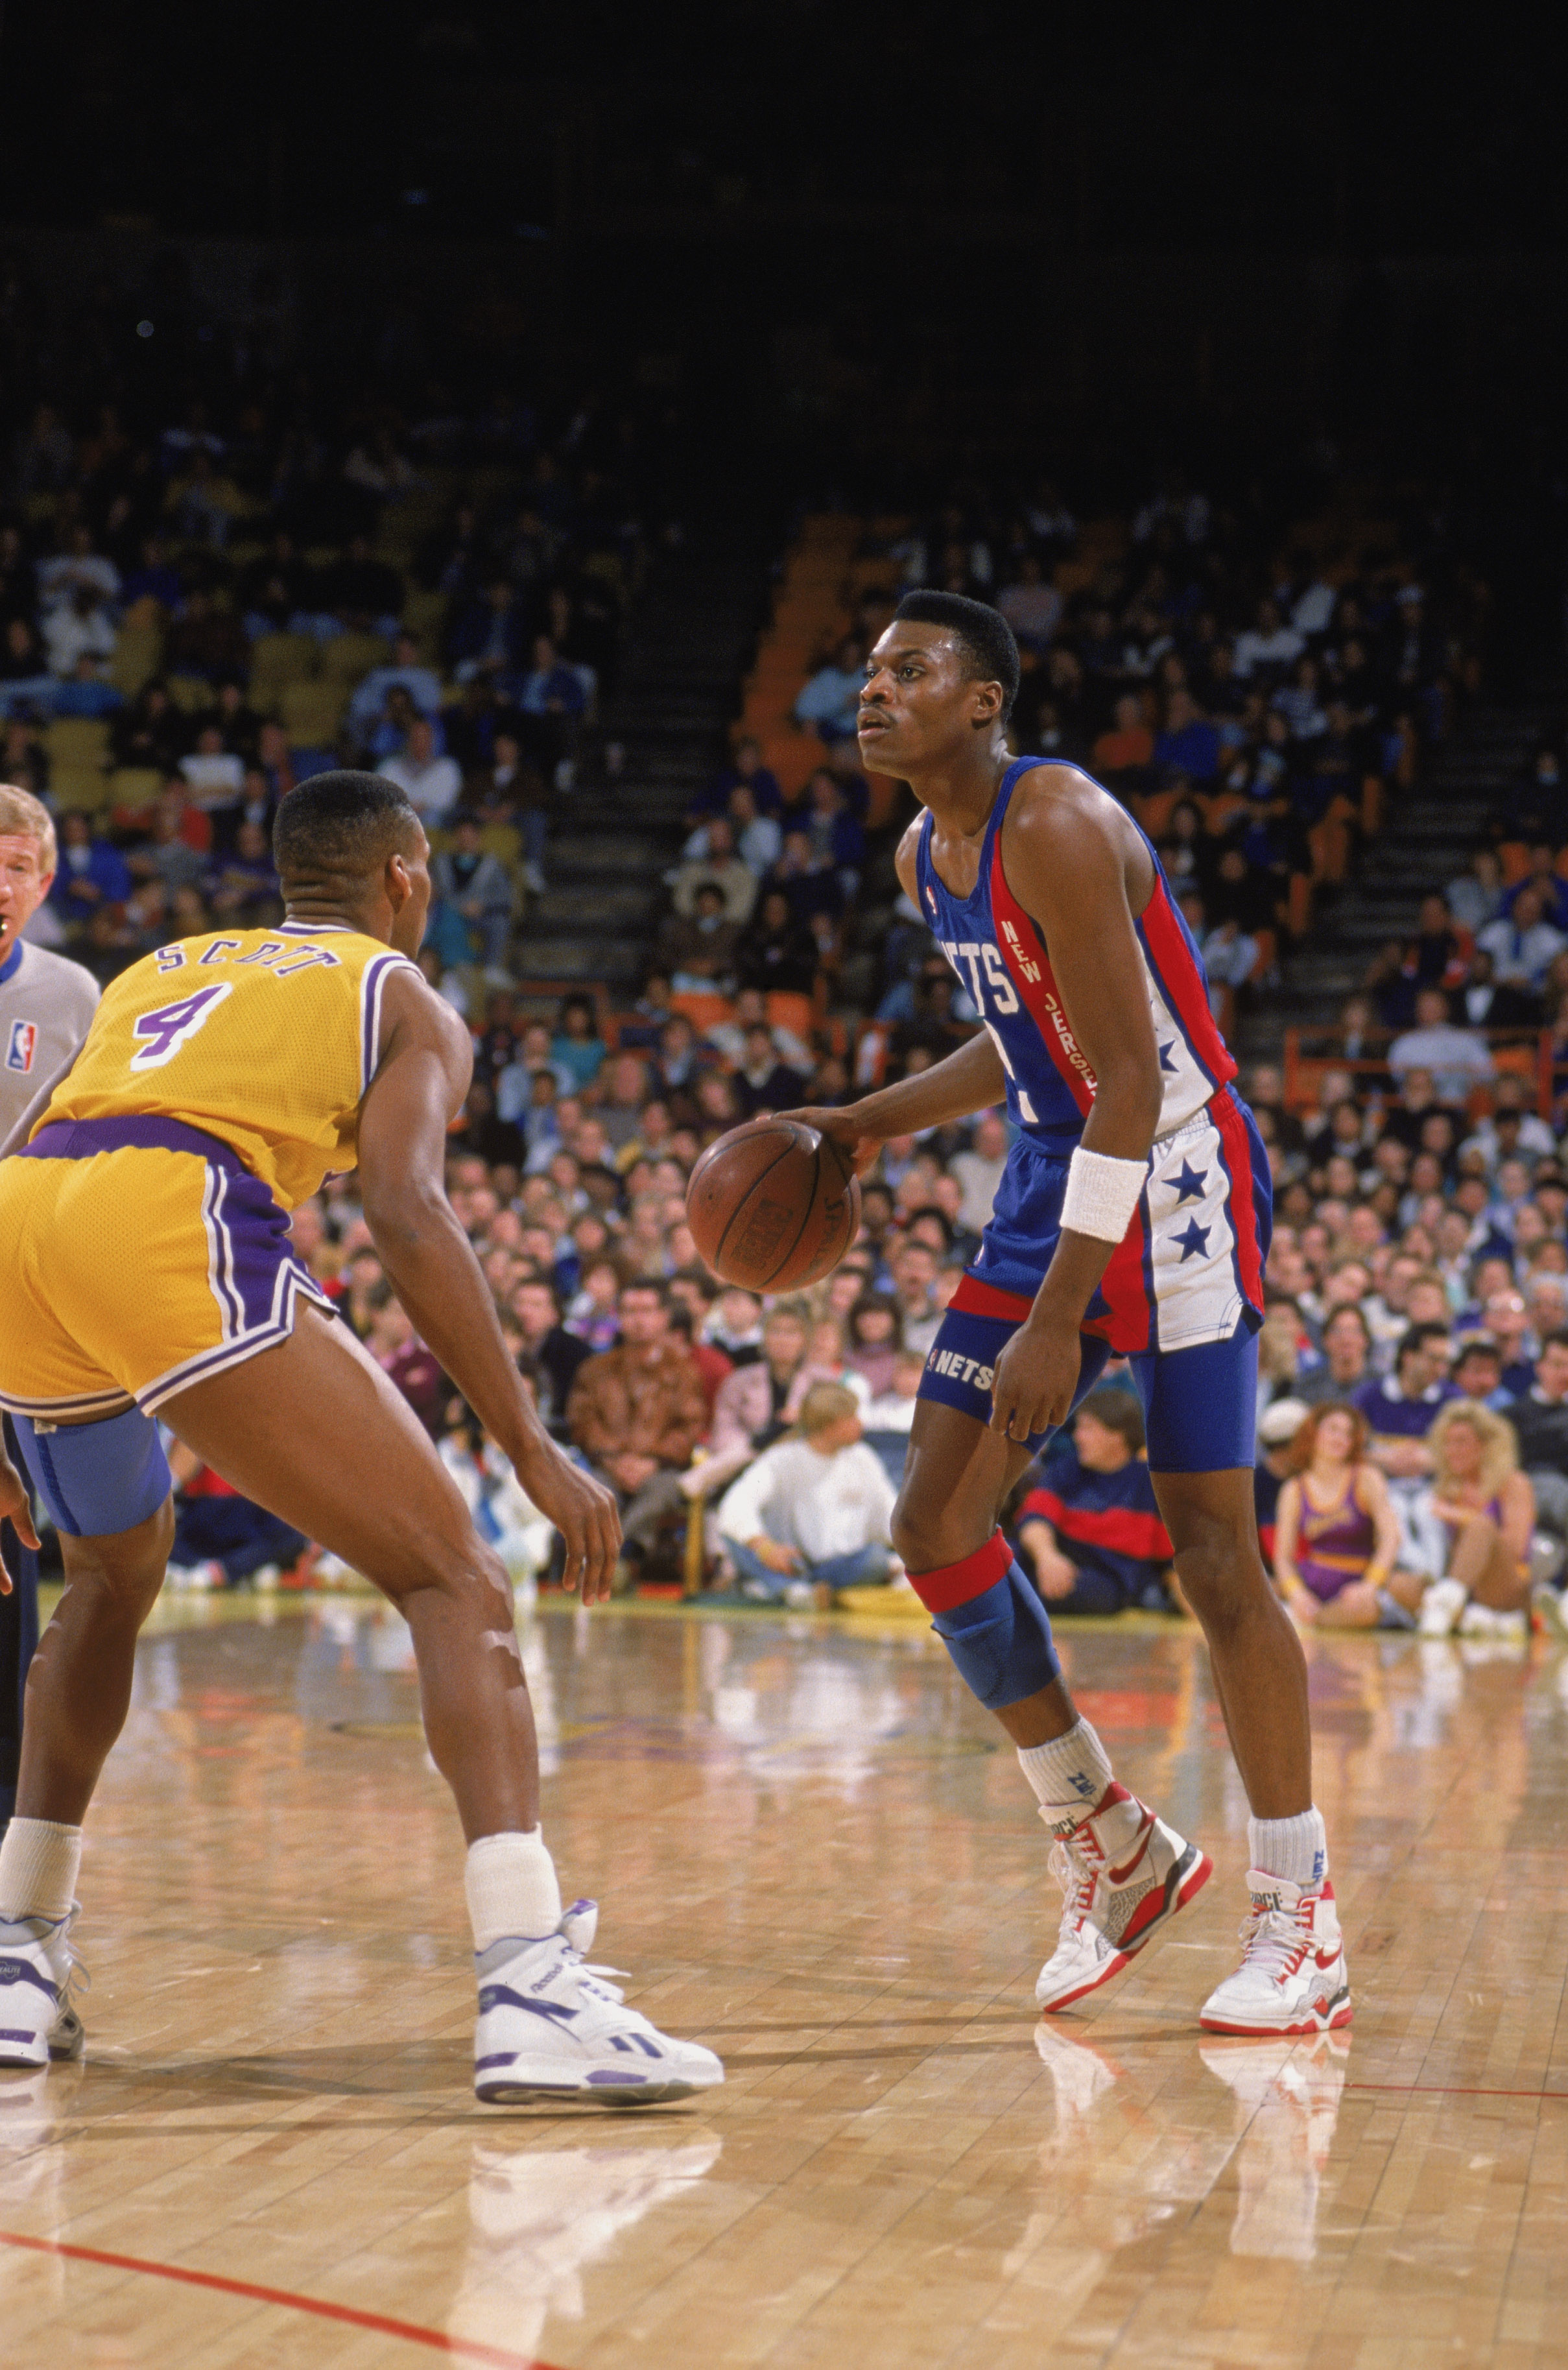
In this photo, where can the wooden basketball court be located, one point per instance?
(816, 1854)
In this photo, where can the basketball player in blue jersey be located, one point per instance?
(1133, 1218)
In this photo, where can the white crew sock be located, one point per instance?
(38, 1866)
(1070, 1773)
(511, 1887)
(1297, 1849)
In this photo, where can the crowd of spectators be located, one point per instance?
(713, 1416)
(1251, 692)
(1485, 973)
(1250, 708)
(196, 615)
(1416, 1295)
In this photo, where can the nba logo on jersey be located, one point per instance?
(21, 1045)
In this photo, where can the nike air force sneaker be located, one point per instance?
(1292, 1978)
(1124, 1873)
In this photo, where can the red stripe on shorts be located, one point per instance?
(1226, 1113)
(974, 1298)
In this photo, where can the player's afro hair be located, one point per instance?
(340, 824)
(983, 634)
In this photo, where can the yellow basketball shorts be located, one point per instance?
(137, 1255)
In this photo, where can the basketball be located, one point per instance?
(772, 1205)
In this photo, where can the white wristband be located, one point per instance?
(1102, 1194)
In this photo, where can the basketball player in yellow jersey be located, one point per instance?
(145, 1264)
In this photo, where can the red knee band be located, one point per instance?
(954, 1583)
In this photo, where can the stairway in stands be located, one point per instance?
(1425, 842)
(610, 840)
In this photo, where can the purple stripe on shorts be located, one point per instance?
(223, 1249)
(66, 1139)
(255, 1237)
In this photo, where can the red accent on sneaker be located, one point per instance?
(1163, 1910)
(947, 1584)
(1120, 1875)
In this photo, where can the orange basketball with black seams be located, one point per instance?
(772, 1205)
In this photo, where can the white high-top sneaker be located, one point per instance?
(1124, 1873)
(1292, 1978)
(551, 2026)
(37, 2019)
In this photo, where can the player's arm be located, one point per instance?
(1066, 865)
(971, 1080)
(15, 1508)
(417, 1088)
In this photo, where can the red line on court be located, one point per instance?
(1452, 2090)
(412, 2332)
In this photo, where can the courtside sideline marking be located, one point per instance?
(411, 2332)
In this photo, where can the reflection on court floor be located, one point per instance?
(815, 1854)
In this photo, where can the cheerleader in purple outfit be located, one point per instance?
(1336, 1534)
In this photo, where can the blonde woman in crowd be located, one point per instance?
(1475, 1522)
(1337, 1536)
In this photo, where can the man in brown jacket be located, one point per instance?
(637, 1411)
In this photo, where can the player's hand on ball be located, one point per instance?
(1036, 1377)
(582, 1510)
(15, 1508)
(842, 1128)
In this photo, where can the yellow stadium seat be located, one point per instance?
(192, 693)
(277, 659)
(311, 711)
(78, 789)
(424, 616)
(137, 656)
(76, 741)
(347, 658)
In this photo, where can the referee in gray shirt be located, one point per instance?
(46, 1004)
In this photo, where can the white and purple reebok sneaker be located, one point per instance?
(551, 2026)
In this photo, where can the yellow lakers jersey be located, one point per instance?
(265, 1039)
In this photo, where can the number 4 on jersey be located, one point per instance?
(173, 1025)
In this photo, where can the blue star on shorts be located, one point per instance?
(1195, 1241)
(1166, 1050)
(1190, 1184)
